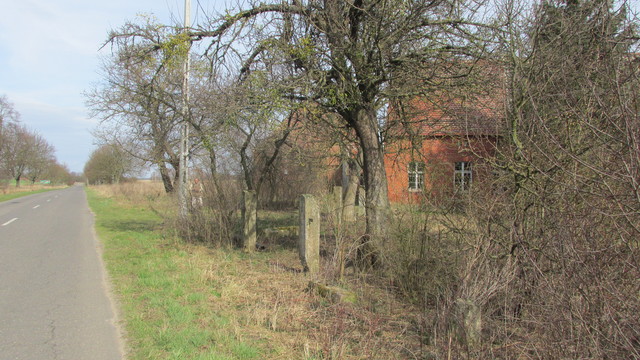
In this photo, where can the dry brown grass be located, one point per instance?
(265, 297)
(136, 192)
(26, 187)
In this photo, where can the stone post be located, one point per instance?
(349, 202)
(249, 219)
(309, 235)
(471, 322)
(336, 203)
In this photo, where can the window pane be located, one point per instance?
(467, 181)
(462, 175)
(416, 175)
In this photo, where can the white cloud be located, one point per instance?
(49, 56)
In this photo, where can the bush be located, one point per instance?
(214, 214)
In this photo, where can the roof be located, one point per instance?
(460, 118)
(478, 111)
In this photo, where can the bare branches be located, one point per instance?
(24, 153)
(350, 58)
(229, 21)
(569, 195)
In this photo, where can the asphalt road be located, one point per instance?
(54, 301)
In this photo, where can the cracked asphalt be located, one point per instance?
(54, 297)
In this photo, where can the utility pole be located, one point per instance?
(183, 176)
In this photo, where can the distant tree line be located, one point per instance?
(108, 164)
(24, 153)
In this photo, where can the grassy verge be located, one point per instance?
(164, 297)
(188, 301)
(15, 195)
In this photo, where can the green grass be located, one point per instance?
(16, 195)
(181, 300)
(275, 219)
(165, 303)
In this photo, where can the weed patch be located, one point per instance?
(165, 303)
(184, 300)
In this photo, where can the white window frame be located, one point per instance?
(462, 175)
(415, 172)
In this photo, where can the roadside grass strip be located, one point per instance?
(164, 303)
(181, 300)
(15, 195)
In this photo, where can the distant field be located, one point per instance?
(11, 191)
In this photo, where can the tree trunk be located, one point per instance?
(375, 176)
(176, 175)
(348, 212)
(213, 166)
(166, 178)
(244, 162)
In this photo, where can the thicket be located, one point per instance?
(543, 260)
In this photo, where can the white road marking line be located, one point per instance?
(48, 200)
(37, 206)
(9, 222)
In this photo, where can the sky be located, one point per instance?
(50, 54)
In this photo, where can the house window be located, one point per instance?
(416, 176)
(462, 176)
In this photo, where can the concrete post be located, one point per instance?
(336, 203)
(249, 219)
(309, 238)
(471, 321)
(349, 202)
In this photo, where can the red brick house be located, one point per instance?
(436, 148)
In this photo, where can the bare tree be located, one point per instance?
(8, 115)
(20, 151)
(42, 154)
(23, 153)
(343, 55)
(139, 104)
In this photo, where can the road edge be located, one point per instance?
(116, 321)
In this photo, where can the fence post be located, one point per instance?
(337, 203)
(309, 235)
(249, 219)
